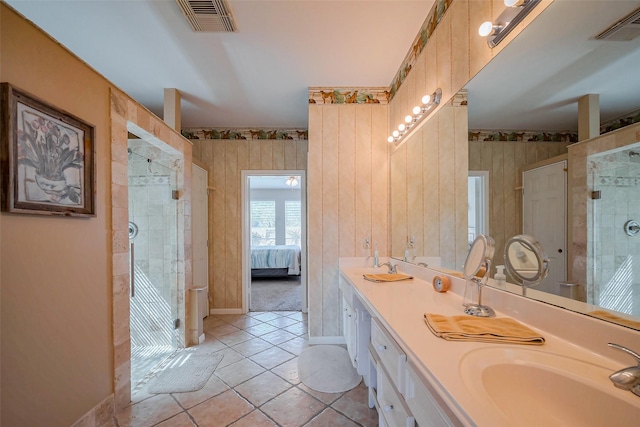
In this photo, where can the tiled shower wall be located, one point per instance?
(616, 255)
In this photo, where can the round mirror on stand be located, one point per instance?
(476, 272)
(526, 261)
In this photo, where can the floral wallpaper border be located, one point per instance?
(428, 27)
(522, 135)
(615, 124)
(250, 133)
(349, 95)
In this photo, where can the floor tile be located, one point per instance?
(266, 316)
(212, 321)
(327, 398)
(254, 419)
(272, 357)
(210, 345)
(212, 388)
(288, 371)
(229, 356)
(329, 417)
(218, 331)
(282, 322)
(239, 372)
(292, 408)
(295, 346)
(259, 330)
(262, 388)
(180, 420)
(246, 322)
(220, 410)
(235, 338)
(297, 328)
(149, 412)
(252, 346)
(297, 315)
(354, 404)
(277, 337)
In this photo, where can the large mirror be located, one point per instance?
(523, 116)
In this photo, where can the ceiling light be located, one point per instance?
(402, 127)
(488, 29)
(390, 139)
(292, 181)
(426, 99)
(420, 112)
(395, 134)
(408, 119)
(417, 110)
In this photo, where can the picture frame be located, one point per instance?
(47, 157)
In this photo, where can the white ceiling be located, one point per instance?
(259, 76)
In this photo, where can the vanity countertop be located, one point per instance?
(400, 307)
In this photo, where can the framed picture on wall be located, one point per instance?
(47, 157)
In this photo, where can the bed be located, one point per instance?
(273, 261)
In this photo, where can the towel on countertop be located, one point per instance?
(395, 277)
(605, 315)
(469, 328)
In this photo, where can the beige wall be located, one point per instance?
(504, 161)
(225, 161)
(348, 199)
(429, 190)
(56, 290)
(65, 280)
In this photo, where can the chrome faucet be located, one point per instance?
(393, 269)
(627, 378)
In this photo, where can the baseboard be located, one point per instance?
(337, 340)
(226, 311)
(101, 415)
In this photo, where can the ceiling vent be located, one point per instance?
(208, 15)
(625, 29)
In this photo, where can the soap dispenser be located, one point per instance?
(499, 277)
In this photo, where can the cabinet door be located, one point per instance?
(349, 326)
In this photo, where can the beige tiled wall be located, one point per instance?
(504, 161)
(225, 161)
(429, 189)
(348, 199)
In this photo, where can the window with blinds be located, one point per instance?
(263, 223)
(292, 222)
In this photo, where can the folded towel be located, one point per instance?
(605, 315)
(469, 328)
(395, 277)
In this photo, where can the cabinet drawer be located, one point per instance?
(424, 406)
(390, 404)
(391, 355)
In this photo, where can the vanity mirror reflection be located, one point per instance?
(522, 110)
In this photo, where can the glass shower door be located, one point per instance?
(153, 250)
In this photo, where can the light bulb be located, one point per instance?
(390, 139)
(485, 29)
(401, 127)
(514, 3)
(408, 118)
(395, 134)
(416, 110)
(426, 99)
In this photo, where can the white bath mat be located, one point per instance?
(327, 368)
(187, 371)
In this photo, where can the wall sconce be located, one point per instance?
(515, 12)
(292, 181)
(419, 112)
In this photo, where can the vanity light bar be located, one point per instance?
(419, 112)
(515, 12)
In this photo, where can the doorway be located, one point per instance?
(153, 250)
(544, 216)
(274, 240)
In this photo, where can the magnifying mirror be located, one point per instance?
(525, 260)
(476, 272)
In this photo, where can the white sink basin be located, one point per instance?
(533, 387)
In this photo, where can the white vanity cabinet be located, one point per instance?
(356, 322)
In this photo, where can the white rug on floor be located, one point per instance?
(187, 371)
(327, 368)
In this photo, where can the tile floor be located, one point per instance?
(256, 383)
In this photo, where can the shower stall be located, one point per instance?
(613, 276)
(153, 242)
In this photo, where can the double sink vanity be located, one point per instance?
(416, 378)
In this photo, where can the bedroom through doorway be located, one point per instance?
(274, 271)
